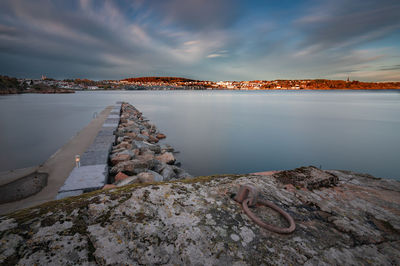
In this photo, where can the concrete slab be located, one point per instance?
(104, 139)
(106, 147)
(103, 142)
(112, 125)
(115, 113)
(86, 178)
(67, 194)
(108, 131)
(111, 116)
(112, 120)
(94, 157)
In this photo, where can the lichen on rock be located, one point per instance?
(196, 221)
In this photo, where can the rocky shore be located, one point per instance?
(137, 156)
(49, 91)
(41, 91)
(342, 218)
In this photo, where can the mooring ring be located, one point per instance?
(276, 229)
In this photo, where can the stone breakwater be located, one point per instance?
(137, 157)
(125, 151)
(342, 218)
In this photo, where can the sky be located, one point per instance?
(201, 39)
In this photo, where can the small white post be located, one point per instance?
(77, 161)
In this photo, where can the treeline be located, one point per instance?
(159, 79)
(10, 85)
(86, 82)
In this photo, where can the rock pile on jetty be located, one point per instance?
(354, 220)
(137, 157)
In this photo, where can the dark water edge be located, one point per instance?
(223, 131)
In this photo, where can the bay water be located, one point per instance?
(223, 131)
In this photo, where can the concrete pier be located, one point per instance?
(61, 164)
(93, 171)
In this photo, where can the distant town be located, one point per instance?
(10, 85)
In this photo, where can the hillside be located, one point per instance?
(326, 84)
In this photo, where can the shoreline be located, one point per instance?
(263, 90)
(54, 91)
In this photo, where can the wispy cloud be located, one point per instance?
(341, 23)
(215, 55)
(389, 68)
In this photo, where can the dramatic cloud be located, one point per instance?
(203, 39)
(342, 23)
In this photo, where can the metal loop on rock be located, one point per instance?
(248, 196)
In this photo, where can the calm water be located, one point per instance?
(223, 132)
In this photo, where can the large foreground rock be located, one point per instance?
(195, 222)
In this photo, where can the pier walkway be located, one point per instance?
(60, 164)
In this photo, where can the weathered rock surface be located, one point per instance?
(120, 158)
(167, 158)
(120, 176)
(160, 136)
(195, 222)
(307, 177)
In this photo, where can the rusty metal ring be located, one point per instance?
(276, 229)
